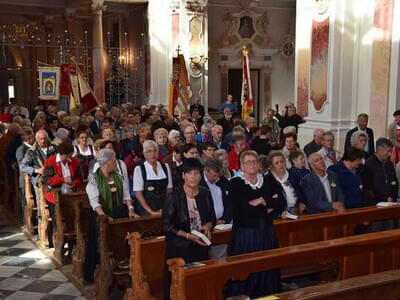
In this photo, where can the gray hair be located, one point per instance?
(28, 132)
(61, 113)
(206, 126)
(317, 130)
(43, 132)
(173, 133)
(326, 133)
(383, 143)
(62, 133)
(356, 136)
(104, 156)
(288, 129)
(310, 158)
(149, 144)
(262, 160)
(128, 128)
(249, 120)
(216, 126)
(213, 165)
(219, 152)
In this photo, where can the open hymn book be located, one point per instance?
(202, 237)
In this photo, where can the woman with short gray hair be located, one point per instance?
(105, 188)
(358, 140)
(152, 181)
(107, 197)
(222, 156)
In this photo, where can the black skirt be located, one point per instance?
(246, 240)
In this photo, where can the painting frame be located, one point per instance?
(49, 83)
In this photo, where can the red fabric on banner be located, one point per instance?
(66, 70)
(88, 102)
(65, 89)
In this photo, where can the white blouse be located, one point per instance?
(138, 184)
(93, 191)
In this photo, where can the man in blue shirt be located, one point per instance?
(228, 103)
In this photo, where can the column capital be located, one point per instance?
(196, 7)
(98, 6)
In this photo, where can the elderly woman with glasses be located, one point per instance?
(152, 181)
(255, 200)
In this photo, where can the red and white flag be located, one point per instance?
(88, 100)
(247, 96)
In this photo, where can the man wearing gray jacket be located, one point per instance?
(320, 187)
(34, 160)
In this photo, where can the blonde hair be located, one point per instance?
(247, 153)
(160, 131)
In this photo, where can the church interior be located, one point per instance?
(199, 149)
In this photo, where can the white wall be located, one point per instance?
(282, 79)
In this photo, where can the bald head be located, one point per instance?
(318, 133)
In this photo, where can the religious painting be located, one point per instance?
(49, 83)
(246, 29)
(319, 63)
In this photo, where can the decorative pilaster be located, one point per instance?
(267, 86)
(98, 49)
(223, 69)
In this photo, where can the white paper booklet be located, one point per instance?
(223, 226)
(291, 216)
(202, 237)
(386, 204)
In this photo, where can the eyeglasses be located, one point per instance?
(250, 162)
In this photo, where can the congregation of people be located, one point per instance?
(195, 173)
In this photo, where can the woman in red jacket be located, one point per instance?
(61, 170)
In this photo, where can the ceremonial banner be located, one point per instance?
(49, 83)
(247, 97)
(88, 99)
(179, 87)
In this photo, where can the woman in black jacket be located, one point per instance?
(256, 198)
(190, 208)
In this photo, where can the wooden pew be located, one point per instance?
(44, 220)
(113, 248)
(382, 285)
(67, 216)
(6, 183)
(30, 209)
(17, 199)
(147, 257)
(83, 212)
(381, 251)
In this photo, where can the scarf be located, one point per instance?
(105, 192)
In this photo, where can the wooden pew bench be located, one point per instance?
(382, 285)
(378, 251)
(114, 249)
(147, 258)
(67, 216)
(30, 210)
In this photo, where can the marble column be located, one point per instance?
(98, 50)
